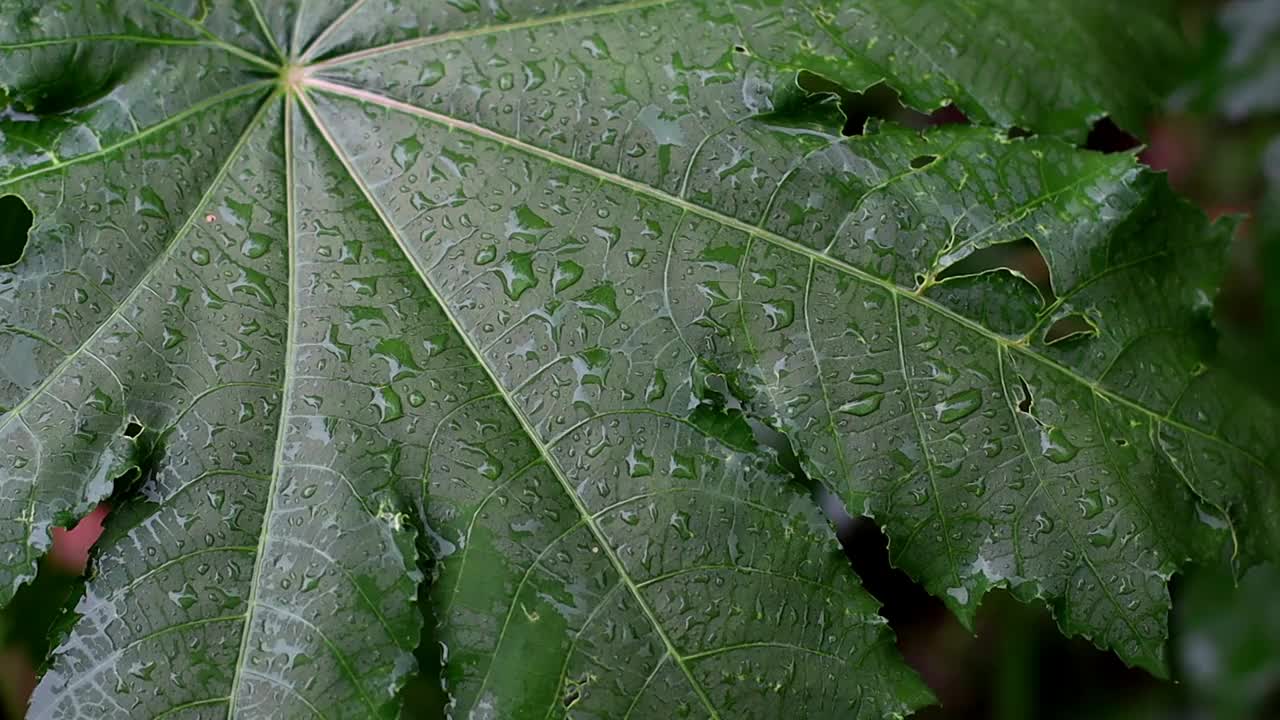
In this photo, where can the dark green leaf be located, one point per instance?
(339, 281)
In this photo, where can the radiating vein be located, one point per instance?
(109, 37)
(333, 26)
(606, 547)
(266, 29)
(168, 122)
(159, 260)
(605, 11)
(213, 37)
(282, 425)
(774, 239)
(929, 466)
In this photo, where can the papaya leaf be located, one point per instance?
(342, 298)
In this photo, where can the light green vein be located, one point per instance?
(146, 275)
(519, 415)
(774, 239)
(161, 126)
(608, 10)
(282, 424)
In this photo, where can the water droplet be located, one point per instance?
(1104, 537)
(638, 464)
(958, 406)
(1055, 446)
(680, 521)
(765, 278)
(172, 338)
(256, 245)
(657, 386)
(567, 274)
(387, 400)
(534, 76)
(684, 466)
(977, 486)
(490, 468)
(432, 72)
(600, 302)
(405, 152)
(486, 255)
(866, 377)
(863, 405)
(1090, 504)
(780, 313)
(1044, 524)
(517, 274)
(525, 224)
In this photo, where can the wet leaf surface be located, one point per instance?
(330, 300)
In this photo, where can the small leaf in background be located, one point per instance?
(1227, 640)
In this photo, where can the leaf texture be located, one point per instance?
(351, 288)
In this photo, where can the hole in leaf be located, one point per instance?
(948, 115)
(571, 696)
(740, 49)
(1071, 327)
(423, 694)
(878, 102)
(15, 228)
(71, 545)
(1021, 256)
(133, 429)
(923, 161)
(1016, 133)
(1122, 442)
(864, 110)
(1024, 400)
(1107, 137)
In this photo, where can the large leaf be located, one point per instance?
(509, 282)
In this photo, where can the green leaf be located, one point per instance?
(459, 284)
(1238, 80)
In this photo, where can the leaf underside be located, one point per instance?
(391, 285)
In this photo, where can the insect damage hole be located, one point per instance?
(1070, 327)
(574, 690)
(571, 697)
(1025, 400)
(923, 161)
(133, 429)
(15, 228)
(1021, 256)
(1107, 137)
